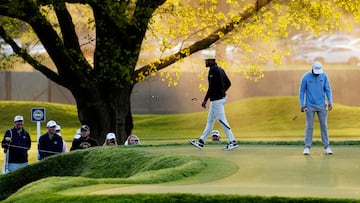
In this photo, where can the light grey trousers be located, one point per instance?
(217, 112)
(309, 126)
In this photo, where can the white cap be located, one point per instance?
(110, 136)
(209, 54)
(18, 118)
(85, 127)
(317, 67)
(57, 127)
(215, 133)
(51, 124)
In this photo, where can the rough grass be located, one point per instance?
(65, 115)
(116, 165)
(180, 198)
(260, 118)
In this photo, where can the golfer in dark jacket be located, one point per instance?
(219, 83)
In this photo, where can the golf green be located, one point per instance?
(258, 170)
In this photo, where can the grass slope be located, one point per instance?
(260, 118)
(65, 115)
(115, 165)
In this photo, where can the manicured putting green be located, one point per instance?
(259, 170)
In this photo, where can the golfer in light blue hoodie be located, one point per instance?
(314, 89)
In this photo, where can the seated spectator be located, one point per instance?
(132, 140)
(215, 136)
(110, 140)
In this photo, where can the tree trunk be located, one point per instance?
(104, 110)
(102, 91)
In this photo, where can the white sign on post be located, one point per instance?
(38, 115)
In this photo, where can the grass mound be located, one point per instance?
(183, 198)
(99, 165)
(258, 118)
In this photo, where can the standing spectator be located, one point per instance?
(132, 140)
(314, 89)
(219, 83)
(110, 140)
(58, 131)
(50, 143)
(85, 141)
(16, 144)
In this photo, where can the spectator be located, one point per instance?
(215, 136)
(85, 141)
(58, 131)
(16, 144)
(132, 140)
(50, 143)
(110, 140)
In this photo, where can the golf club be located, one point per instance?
(297, 115)
(6, 162)
(195, 99)
(40, 150)
(222, 122)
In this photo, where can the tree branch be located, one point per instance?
(67, 27)
(67, 66)
(202, 44)
(28, 58)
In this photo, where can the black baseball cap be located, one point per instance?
(85, 127)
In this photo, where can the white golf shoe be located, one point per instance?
(306, 151)
(328, 151)
(230, 146)
(197, 144)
